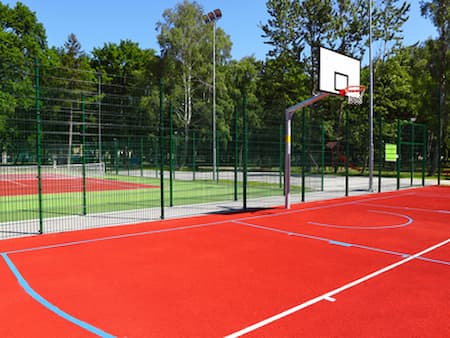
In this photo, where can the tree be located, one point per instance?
(437, 11)
(315, 29)
(280, 85)
(121, 67)
(22, 39)
(186, 49)
(281, 29)
(67, 85)
(182, 40)
(349, 27)
(389, 18)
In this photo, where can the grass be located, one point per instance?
(25, 207)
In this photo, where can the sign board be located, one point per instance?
(390, 152)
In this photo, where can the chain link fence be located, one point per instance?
(82, 151)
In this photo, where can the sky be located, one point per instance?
(96, 22)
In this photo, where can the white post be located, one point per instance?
(287, 157)
(287, 164)
(371, 152)
(100, 118)
(212, 17)
(214, 103)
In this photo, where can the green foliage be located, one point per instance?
(389, 18)
(22, 38)
(281, 29)
(131, 88)
(438, 12)
(122, 79)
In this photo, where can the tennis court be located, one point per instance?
(371, 265)
(57, 185)
(17, 181)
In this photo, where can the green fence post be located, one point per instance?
(171, 145)
(38, 147)
(236, 153)
(413, 145)
(244, 116)
(141, 161)
(128, 159)
(322, 157)
(303, 153)
(439, 163)
(155, 155)
(161, 143)
(399, 138)
(424, 153)
(217, 157)
(347, 150)
(380, 150)
(116, 156)
(194, 164)
(83, 152)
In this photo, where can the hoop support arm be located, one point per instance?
(291, 110)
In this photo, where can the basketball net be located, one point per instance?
(353, 99)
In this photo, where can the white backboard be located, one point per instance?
(338, 71)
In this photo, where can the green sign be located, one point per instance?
(390, 151)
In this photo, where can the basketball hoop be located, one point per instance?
(354, 94)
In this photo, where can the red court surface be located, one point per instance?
(370, 266)
(29, 186)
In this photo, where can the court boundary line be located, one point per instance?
(144, 233)
(107, 238)
(340, 243)
(49, 306)
(439, 211)
(329, 295)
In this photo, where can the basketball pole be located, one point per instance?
(287, 164)
(371, 151)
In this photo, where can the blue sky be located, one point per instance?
(96, 22)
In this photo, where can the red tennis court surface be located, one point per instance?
(369, 266)
(52, 184)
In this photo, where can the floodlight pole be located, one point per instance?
(100, 157)
(371, 151)
(213, 17)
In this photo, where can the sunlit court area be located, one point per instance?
(372, 265)
(261, 169)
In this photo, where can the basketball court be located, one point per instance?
(373, 265)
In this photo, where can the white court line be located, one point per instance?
(14, 182)
(409, 220)
(329, 295)
(405, 208)
(327, 204)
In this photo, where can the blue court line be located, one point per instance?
(37, 297)
(344, 244)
